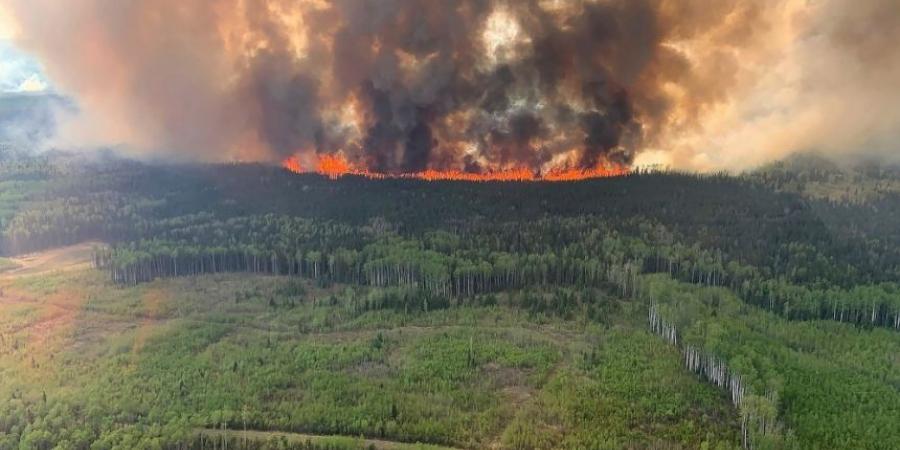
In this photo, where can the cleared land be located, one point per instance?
(73, 257)
(7, 265)
(181, 355)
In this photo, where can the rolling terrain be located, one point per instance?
(205, 306)
(261, 353)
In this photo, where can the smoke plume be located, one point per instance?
(406, 85)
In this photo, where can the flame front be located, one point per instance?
(292, 164)
(335, 166)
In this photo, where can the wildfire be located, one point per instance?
(457, 175)
(336, 166)
(292, 164)
(332, 166)
(584, 174)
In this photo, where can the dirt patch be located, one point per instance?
(73, 257)
(510, 381)
(58, 315)
(40, 331)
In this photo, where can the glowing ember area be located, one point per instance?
(521, 174)
(292, 164)
(583, 174)
(335, 166)
(332, 166)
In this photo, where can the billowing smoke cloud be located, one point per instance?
(404, 85)
(822, 75)
(28, 120)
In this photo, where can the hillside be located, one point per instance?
(655, 310)
(263, 353)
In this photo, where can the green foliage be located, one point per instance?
(628, 396)
(471, 315)
(465, 375)
(6, 264)
(827, 382)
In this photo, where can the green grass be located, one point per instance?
(153, 363)
(7, 264)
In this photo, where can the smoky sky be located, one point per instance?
(27, 120)
(405, 85)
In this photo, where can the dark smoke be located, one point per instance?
(589, 49)
(405, 85)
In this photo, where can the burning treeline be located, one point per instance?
(445, 89)
(391, 86)
(335, 166)
(534, 87)
(471, 90)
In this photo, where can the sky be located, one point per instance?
(19, 72)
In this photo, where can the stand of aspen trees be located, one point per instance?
(758, 414)
(578, 251)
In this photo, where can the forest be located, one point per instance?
(659, 309)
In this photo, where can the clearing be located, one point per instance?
(73, 257)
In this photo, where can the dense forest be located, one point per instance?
(777, 288)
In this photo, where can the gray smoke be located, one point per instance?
(404, 85)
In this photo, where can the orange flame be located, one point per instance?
(292, 164)
(457, 175)
(336, 166)
(583, 174)
(332, 166)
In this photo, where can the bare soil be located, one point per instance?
(73, 257)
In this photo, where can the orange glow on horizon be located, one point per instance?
(336, 166)
(584, 174)
(332, 166)
(292, 164)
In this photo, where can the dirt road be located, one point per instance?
(73, 257)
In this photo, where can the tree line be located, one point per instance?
(578, 252)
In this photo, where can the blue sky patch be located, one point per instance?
(20, 72)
